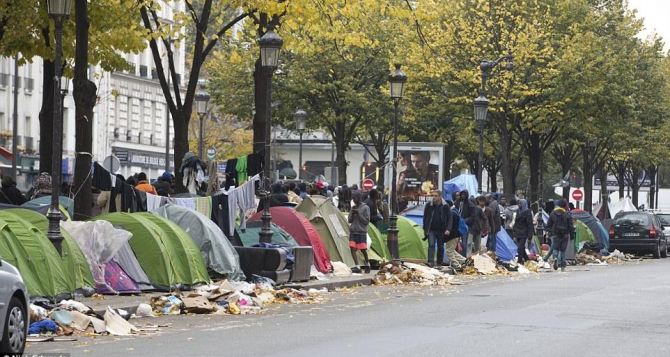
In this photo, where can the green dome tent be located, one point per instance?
(27, 247)
(165, 252)
(584, 234)
(379, 245)
(332, 225)
(75, 264)
(411, 245)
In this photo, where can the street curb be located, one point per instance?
(332, 285)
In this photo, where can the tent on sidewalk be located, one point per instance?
(415, 213)
(74, 263)
(459, 183)
(411, 245)
(594, 225)
(378, 243)
(166, 253)
(332, 226)
(623, 205)
(100, 242)
(128, 262)
(250, 236)
(29, 250)
(505, 247)
(219, 255)
(295, 224)
(42, 204)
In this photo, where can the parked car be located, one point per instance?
(638, 232)
(664, 217)
(14, 318)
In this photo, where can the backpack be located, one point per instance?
(561, 224)
(462, 227)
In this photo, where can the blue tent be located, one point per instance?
(594, 225)
(45, 202)
(505, 246)
(460, 183)
(415, 213)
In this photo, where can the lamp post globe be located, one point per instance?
(59, 8)
(300, 122)
(481, 104)
(270, 44)
(397, 81)
(201, 101)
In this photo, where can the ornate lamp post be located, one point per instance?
(481, 104)
(397, 81)
(201, 101)
(300, 120)
(270, 45)
(59, 10)
(481, 110)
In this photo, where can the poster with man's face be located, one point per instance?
(418, 176)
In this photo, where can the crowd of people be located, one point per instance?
(455, 228)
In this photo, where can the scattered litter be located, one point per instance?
(409, 273)
(143, 310)
(484, 264)
(523, 270)
(74, 305)
(117, 325)
(42, 326)
(341, 269)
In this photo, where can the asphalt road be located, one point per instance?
(588, 311)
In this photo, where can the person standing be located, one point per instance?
(359, 218)
(374, 203)
(144, 185)
(437, 223)
(522, 230)
(469, 213)
(495, 223)
(484, 227)
(560, 226)
(455, 260)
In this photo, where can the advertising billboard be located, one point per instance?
(420, 172)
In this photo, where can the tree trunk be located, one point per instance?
(621, 180)
(604, 194)
(340, 149)
(180, 122)
(46, 116)
(634, 182)
(652, 189)
(587, 171)
(260, 90)
(507, 170)
(534, 161)
(85, 95)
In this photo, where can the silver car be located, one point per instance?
(13, 310)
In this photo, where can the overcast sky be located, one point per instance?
(655, 14)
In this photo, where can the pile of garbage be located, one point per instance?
(71, 318)
(587, 257)
(232, 298)
(409, 273)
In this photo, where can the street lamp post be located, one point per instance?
(481, 104)
(270, 44)
(58, 10)
(201, 100)
(300, 119)
(481, 110)
(397, 81)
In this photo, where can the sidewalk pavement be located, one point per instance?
(130, 302)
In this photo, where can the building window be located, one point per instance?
(28, 84)
(27, 130)
(143, 71)
(3, 124)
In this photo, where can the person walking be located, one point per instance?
(522, 229)
(437, 223)
(560, 227)
(472, 215)
(359, 218)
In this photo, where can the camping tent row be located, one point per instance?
(117, 252)
(318, 223)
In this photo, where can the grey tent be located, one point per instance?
(128, 262)
(220, 256)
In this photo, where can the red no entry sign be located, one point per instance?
(577, 195)
(368, 184)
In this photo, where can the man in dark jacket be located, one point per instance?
(469, 214)
(437, 222)
(522, 229)
(560, 226)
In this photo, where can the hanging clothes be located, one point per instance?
(102, 179)
(204, 205)
(241, 169)
(220, 215)
(186, 202)
(153, 202)
(231, 173)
